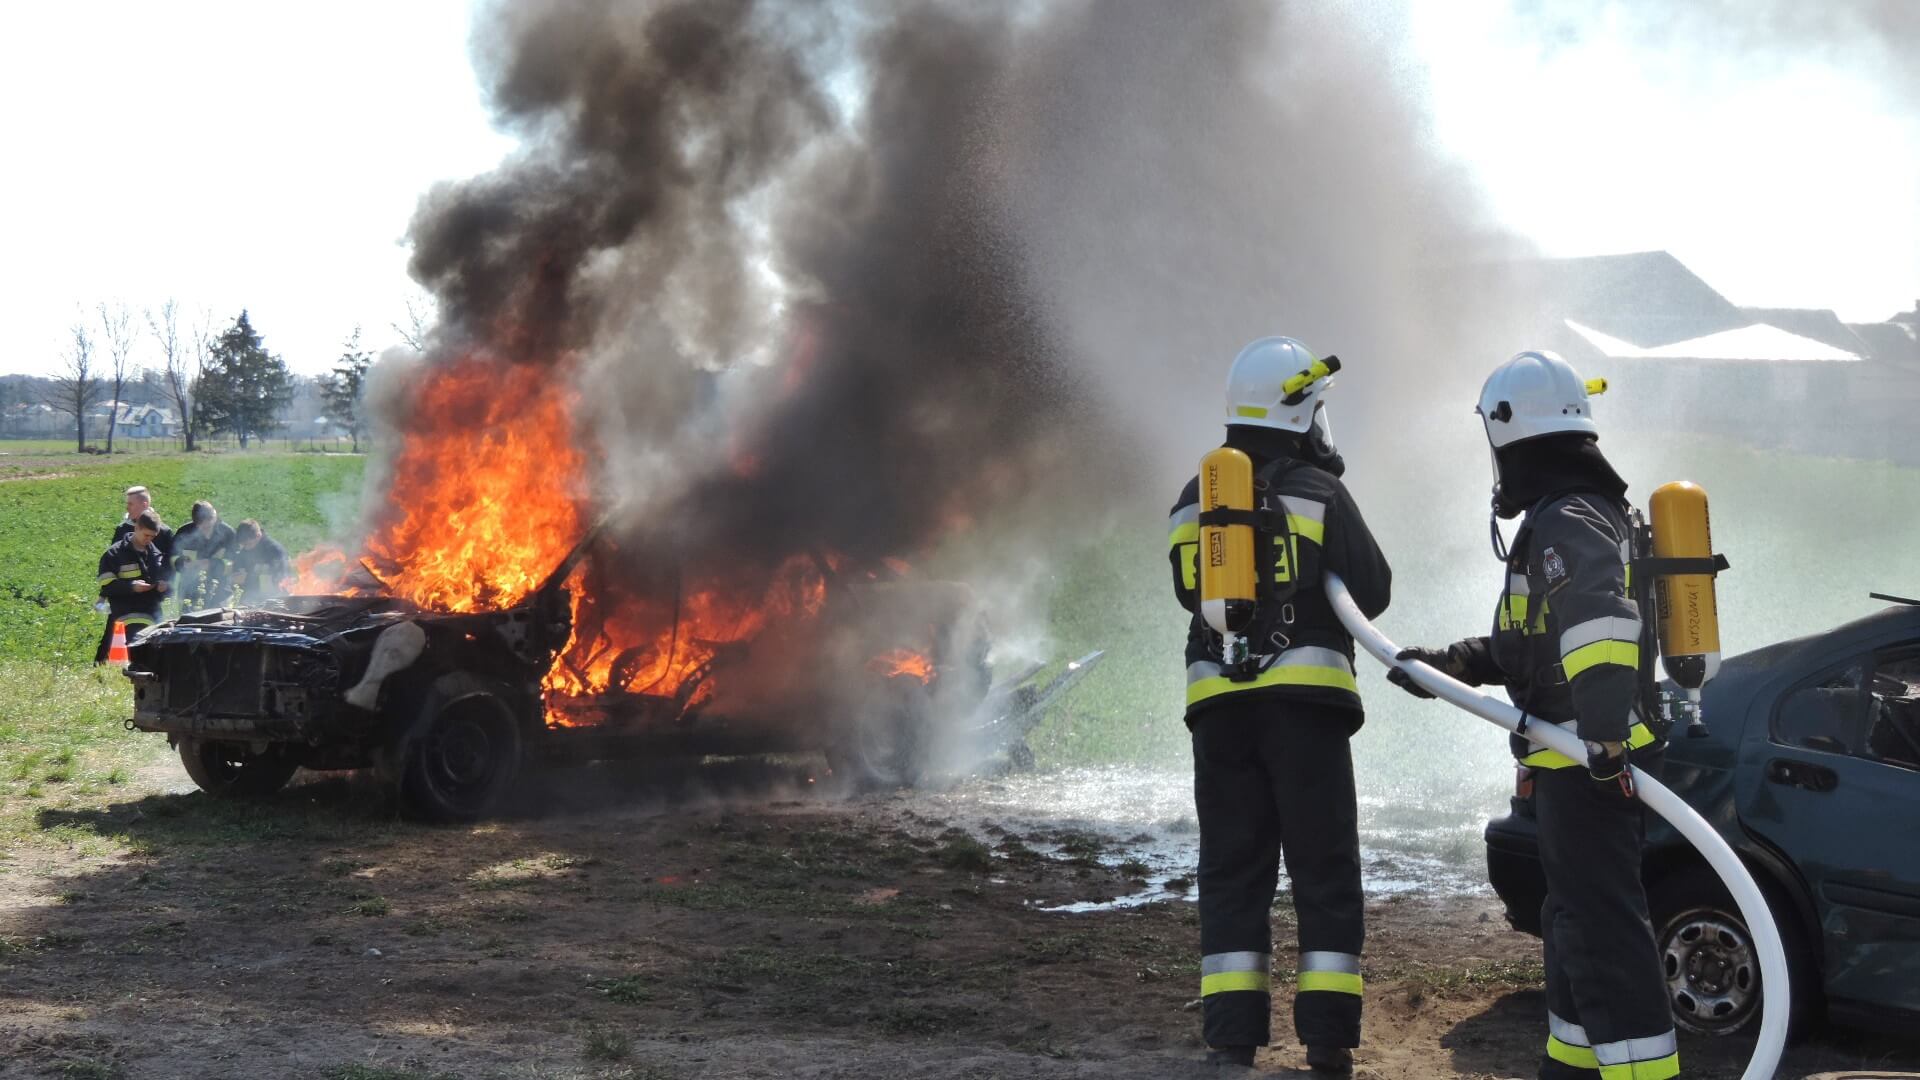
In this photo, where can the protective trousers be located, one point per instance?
(1607, 1009)
(1272, 776)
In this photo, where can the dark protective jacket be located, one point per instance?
(121, 565)
(258, 571)
(193, 541)
(1312, 656)
(162, 540)
(1567, 636)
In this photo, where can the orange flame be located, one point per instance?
(481, 504)
(898, 663)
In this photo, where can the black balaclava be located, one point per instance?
(1551, 465)
(1266, 444)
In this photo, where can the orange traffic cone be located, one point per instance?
(117, 650)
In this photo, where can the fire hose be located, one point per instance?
(1776, 995)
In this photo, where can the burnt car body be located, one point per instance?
(447, 706)
(1811, 772)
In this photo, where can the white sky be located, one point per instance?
(270, 156)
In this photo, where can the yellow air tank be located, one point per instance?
(1689, 618)
(1226, 551)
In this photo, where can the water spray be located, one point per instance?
(1777, 995)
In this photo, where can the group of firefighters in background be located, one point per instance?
(1272, 702)
(207, 563)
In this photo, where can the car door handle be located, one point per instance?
(1802, 774)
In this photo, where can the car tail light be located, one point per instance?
(1522, 782)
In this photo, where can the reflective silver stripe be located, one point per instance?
(1517, 585)
(1222, 962)
(1347, 963)
(1626, 552)
(1605, 628)
(1626, 1051)
(1186, 515)
(1567, 1032)
(1303, 656)
(1311, 509)
(1314, 656)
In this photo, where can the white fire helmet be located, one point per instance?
(1277, 383)
(1536, 393)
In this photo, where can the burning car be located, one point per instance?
(886, 678)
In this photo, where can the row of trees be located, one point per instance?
(227, 383)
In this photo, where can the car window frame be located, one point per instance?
(1868, 661)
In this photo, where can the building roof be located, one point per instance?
(1755, 343)
(1816, 323)
(1646, 298)
(1889, 341)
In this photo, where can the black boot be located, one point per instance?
(1331, 1060)
(1231, 1055)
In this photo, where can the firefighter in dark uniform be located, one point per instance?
(1273, 773)
(1567, 642)
(133, 578)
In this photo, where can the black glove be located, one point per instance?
(1610, 769)
(1436, 658)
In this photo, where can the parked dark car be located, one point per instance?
(1811, 771)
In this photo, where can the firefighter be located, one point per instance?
(1567, 643)
(200, 552)
(260, 567)
(138, 502)
(1273, 773)
(133, 579)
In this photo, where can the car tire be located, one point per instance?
(463, 753)
(881, 744)
(1710, 960)
(233, 770)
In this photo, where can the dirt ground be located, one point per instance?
(680, 925)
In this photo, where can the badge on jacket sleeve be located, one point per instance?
(1554, 567)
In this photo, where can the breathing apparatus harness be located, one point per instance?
(1660, 709)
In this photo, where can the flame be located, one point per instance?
(898, 663)
(627, 644)
(482, 500)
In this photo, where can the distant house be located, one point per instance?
(146, 422)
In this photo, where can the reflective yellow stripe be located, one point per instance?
(1235, 980)
(1307, 527)
(104, 578)
(1253, 411)
(130, 572)
(1639, 736)
(1278, 675)
(1190, 567)
(1658, 1069)
(1580, 1057)
(1624, 653)
(1514, 616)
(1338, 982)
(1188, 533)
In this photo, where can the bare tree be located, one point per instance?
(181, 363)
(117, 334)
(418, 325)
(76, 388)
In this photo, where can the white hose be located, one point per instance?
(1776, 995)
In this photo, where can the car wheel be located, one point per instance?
(234, 769)
(880, 745)
(1710, 959)
(464, 751)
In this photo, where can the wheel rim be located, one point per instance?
(463, 754)
(1713, 976)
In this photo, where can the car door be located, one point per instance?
(1832, 778)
